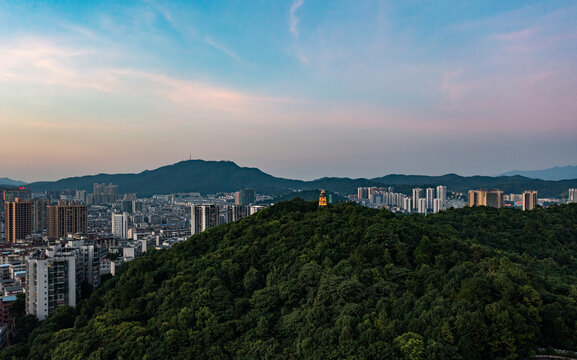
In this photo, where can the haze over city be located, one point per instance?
(298, 88)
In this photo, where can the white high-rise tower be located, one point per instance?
(120, 225)
(442, 193)
(417, 194)
(430, 197)
(572, 196)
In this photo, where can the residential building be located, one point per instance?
(5, 303)
(422, 206)
(442, 193)
(105, 194)
(54, 276)
(491, 198)
(67, 218)
(572, 196)
(80, 195)
(417, 194)
(203, 217)
(363, 193)
(245, 197)
(430, 196)
(40, 215)
(256, 208)
(89, 260)
(18, 220)
(51, 281)
(120, 225)
(529, 200)
(406, 204)
(438, 205)
(235, 212)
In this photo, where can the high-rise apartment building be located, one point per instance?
(40, 215)
(495, 199)
(491, 198)
(529, 200)
(572, 196)
(377, 198)
(430, 195)
(209, 217)
(50, 281)
(127, 203)
(422, 206)
(120, 225)
(363, 193)
(18, 220)
(245, 197)
(88, 260)
(406, 204)
(105, 194)
(203, 217)
(67, 218)
(80, 195)
(438, 205)
(236, 212)
(476, 198)
(417, 194)
(440, 202)
(54, 276)
(442, 193)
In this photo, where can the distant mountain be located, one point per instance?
(185, 176)
(206, 177)
(554, 173)
(209, 177)
(10, 182)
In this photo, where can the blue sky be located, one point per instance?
(301, 89)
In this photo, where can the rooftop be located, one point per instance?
(9, 298)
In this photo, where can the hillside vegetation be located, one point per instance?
(343, 282)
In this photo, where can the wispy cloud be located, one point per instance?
(294, 20)
(166, 14)
(302, 57)
(35, 61)
(223, 49)
(515, 35)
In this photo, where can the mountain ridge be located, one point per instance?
(9, 182)
(555, 173)
(209, 177)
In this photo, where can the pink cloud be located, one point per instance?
(515, 35)
(35, 61)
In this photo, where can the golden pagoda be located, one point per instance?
(323, 198)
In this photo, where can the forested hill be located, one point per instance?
(343, 282)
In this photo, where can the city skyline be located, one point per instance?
(294, 88)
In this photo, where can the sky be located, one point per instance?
(299, 88)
